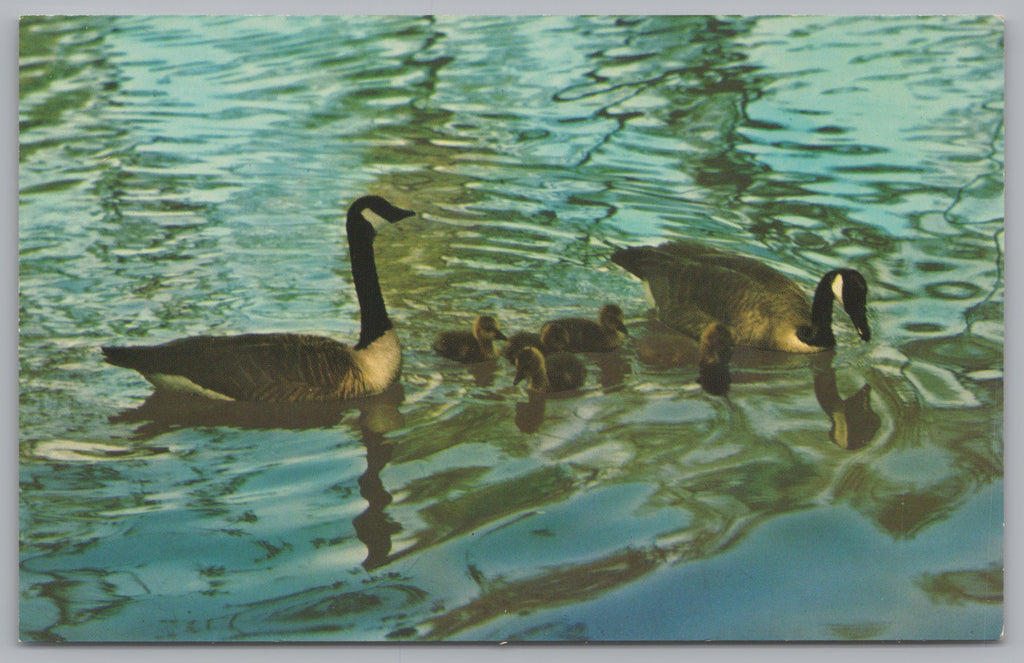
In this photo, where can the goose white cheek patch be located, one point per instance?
(837, 287)
(374, 219)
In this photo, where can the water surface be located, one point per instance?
(189, 175)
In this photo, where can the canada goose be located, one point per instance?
(559, 371)
(470, 346)
(588, 336)
(553, 338)
(693, 285)
(289, 367)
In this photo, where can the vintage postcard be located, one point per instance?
(511, 328)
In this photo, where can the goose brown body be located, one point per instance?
(264, 367)
(693, 286)
(288, 367)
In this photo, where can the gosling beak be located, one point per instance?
(519, 378)
(499, 336)
(621, 327)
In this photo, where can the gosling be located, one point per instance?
(470, 347)
(604, 335)
(553, 338)
(560, 371)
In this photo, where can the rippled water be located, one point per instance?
(189, 175)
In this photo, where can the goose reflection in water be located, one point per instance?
(164, 412)
(853, 422)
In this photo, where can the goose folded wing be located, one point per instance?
(757, 271)
(257, 367)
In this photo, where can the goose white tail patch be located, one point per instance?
(792, 343)
(182, 384)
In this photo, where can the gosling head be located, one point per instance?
(851, 289)
(716, 344)
(529, 365)
(485, 328)
(554, 337)
(611, 317)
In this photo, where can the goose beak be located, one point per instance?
(853, 294)
(859, 318)
(857, 309)
(400, 214)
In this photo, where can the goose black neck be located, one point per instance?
(820, 332)
(373, 316)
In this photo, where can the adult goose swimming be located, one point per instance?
(693, 286)
(289, 367)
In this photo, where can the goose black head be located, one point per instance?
(375, 212)
(851, 289)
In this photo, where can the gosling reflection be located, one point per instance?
(530, 415)
(853, 424)
(484, 373)
(612, 368)
(163, 412)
